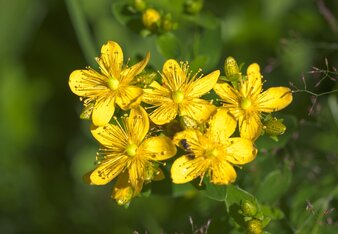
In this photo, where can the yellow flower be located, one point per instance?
(248, 102)
(126, 151)
(213, 153)
(110, 86)
(179, 94)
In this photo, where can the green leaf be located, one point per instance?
(168, 45)
(272, 212)
(179, 190)
(215, 192)
(274, 186)
(199, 62)
(209, 44)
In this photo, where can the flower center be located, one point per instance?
(131, 149)
(178, 96)
(214, 152)
(113, 83)
(245, 103)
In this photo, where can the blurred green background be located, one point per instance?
(46, 148)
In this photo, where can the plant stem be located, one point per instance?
(80, 25)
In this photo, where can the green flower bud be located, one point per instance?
(193, 6)
(187, 122)
(254, 226)
(232, 71)
(274, 127)
(249, 208)
(87, 111)
(140, 5)
(145, 79)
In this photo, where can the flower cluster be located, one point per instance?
(214, 138)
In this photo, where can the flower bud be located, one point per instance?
(249, 208)
(140, 5)
(274, 127)
(87, 111)
(187, 122)
(193, 6)
(254, 226)
(151, 19)
(232, 71)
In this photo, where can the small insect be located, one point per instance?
(187, 148)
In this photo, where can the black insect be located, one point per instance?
(187, 148)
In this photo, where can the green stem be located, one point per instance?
(80, 25)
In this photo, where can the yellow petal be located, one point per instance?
(253, 86)
(198, 109)
(110, 136)
(136, 172)
(157, 148)
(221, 126)
(184, 169)
(227, 93)
(191, 135)
(138, 124)
(108, 170)
(173, 75)
(203, 85)
(103, 110)
(156, 95)
(164, 114)
(87, 83)
(127, 75)
(127, 96)
(240, 151)
(111, 59)
(222, 172)
(274, 99)
(250, 126)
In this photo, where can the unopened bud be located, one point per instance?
(187, 122)
(122, 195)
(193, 6)
(249, 209)
(232, 71)
(87, 111)
(140, 5)
(151, 19)
(274, 127)
(254, 226)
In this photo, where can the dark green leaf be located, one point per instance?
(275, 185)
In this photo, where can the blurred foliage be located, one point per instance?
(45, 148)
